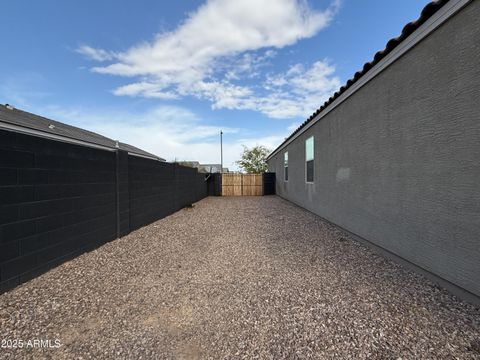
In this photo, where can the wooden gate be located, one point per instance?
(242, 184)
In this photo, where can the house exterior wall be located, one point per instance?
(398, 162)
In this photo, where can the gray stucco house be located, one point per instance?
(394, 156)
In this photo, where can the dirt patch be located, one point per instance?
(188, 351)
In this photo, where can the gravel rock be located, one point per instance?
(246, 277)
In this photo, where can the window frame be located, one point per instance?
(312, 138)
(285, 166)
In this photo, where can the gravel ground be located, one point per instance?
(251, 277)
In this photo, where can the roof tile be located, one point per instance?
(430, 9)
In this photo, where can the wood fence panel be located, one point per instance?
(252, 191)
(231, 184)
(242, 184)
(230, 179)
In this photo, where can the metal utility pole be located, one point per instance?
(221, 152)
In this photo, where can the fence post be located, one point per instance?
(117, 189)
(175, 184)
(122, 190)
(241, 182)
(268, 183)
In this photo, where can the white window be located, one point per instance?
(309, 159)
(285, 165)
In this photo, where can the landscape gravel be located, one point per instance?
(237, 277)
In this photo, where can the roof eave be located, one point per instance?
(428, 22)
(47, 135)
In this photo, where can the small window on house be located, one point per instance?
(309, 159)
(285, 165)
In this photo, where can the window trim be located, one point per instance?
(313, 159)
(285, 178)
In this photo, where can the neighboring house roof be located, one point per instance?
(189, 163)
(210, 168)
(428, 11)
(136, 151)
(211, 165)
(204, 168)
(26, 120)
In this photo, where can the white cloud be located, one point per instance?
(300, 90)
(318, 78)
(144, 89)
(295, 93)
(221, 28)
(246, 66)
(217, 46)
(95, 54)
(168, 131)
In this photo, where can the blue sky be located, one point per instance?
(167, 76)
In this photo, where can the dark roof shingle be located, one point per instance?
(28, 120)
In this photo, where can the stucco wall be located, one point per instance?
(398, 163)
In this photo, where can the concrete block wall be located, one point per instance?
(158, 189)
(215, 184)
(58, 200)
(269, 183)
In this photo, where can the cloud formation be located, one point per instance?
(95, 54)
(220, 44)
(171, 132)
(294, 93)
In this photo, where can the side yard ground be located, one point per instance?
(247, 277)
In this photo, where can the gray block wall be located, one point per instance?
(398, 163)
(158, 189)
(59, 200)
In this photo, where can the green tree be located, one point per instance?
(254, 160)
